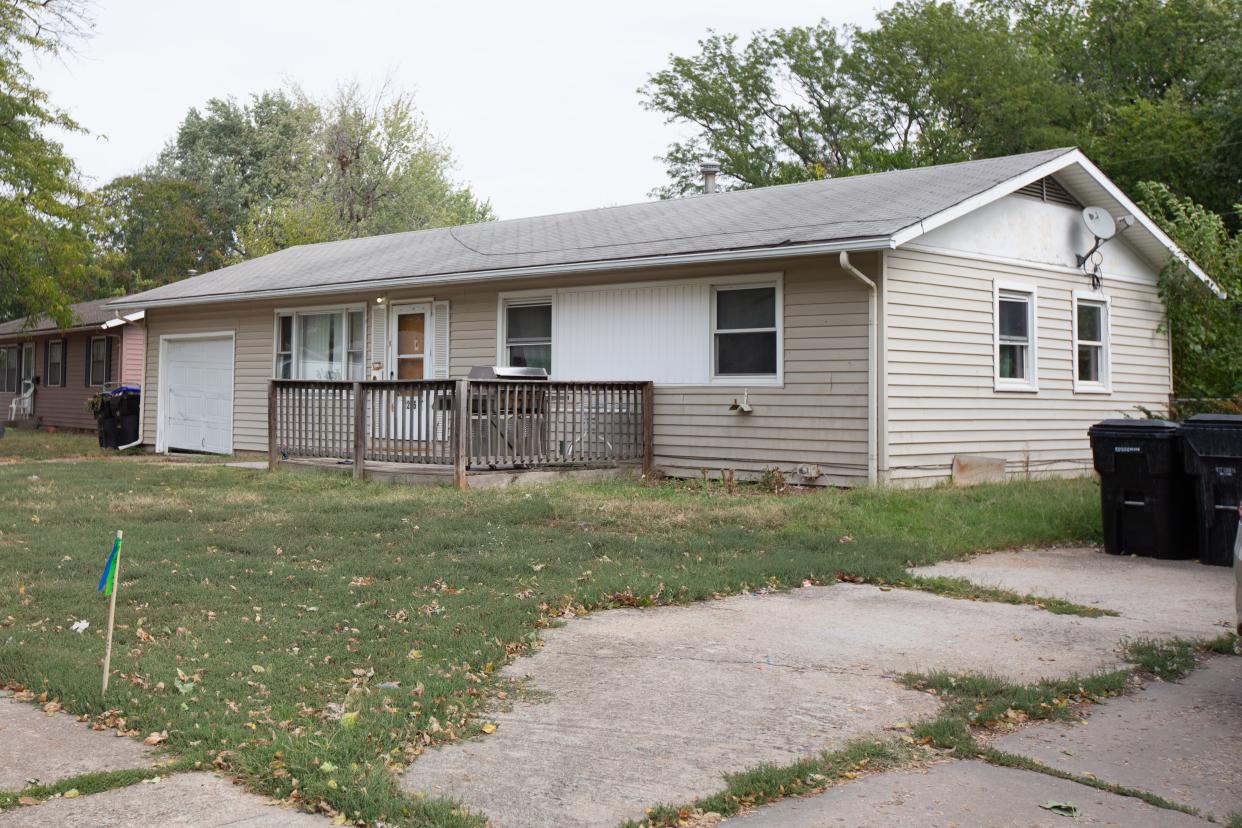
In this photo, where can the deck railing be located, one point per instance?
(466, 424)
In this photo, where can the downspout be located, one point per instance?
(142, 386)
(873, 379)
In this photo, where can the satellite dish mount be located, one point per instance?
(1101, 225)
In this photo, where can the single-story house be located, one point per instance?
(50, 372)
(875, 327)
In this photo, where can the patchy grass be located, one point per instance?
(88, 783)
(23, 444)
(768, 783)
(969, 590)
(1166, 660)
(1010, 760)
(311, 635)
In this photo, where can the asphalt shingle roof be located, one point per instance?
(89, 315)
(839, 209)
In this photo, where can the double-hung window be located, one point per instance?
(745, 337)
(99, 360)
(1091, 342)
(1016, 357)
(54, 363)
(10, 358)
(528, 334)
(320, 344)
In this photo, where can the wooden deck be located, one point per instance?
(468, 433)
(421, 474)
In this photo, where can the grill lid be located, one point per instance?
(486, 372)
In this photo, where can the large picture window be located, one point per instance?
(54, 367)
(744, 332)
(1015, 338)
(528, 334)
(320, 344)
(1090, 342)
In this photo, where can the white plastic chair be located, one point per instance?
(22, 406)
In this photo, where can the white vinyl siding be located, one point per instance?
(941, 399)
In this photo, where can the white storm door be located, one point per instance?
(409, 358)
(198, 395)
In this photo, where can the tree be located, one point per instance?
(44, 247)
(286, 169)
(243, 157)
(1206, 331)
(1152, 89)
(153, 229)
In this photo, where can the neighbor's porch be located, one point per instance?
(461, 432)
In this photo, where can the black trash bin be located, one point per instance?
(126, 402)
(1145, 500)
(106, 420)
(1212, 451)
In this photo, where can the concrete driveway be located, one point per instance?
(654, 706)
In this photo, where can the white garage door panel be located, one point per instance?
(198, 402)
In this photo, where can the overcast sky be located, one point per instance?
(537, 99)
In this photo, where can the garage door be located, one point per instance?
(198, 394)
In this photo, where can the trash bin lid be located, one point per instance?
(126, 389)
(1215, 421)
(1134, 428)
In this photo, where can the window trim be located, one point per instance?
(1031, 382)
(15, 353)
(521, 298)
(1105, 384)
(776, 378)
(316, 310)
(90, 362)
(47, 363)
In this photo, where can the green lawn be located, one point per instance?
(24, 444)
(311, 635)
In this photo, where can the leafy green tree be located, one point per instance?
(1152, 89)
(153, 229)
(244, 156)
(44, 247)
(1206, 332)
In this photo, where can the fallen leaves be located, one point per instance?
(488, 727)
(155, 738)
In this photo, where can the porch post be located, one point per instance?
(648, 428)
(271, 425)
(461, 433)
(360, 432)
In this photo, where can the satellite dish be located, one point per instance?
(1099, 222)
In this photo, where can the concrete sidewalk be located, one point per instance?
(655, 706)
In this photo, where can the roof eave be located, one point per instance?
(869, 243)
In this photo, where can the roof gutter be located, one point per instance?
(759, 254)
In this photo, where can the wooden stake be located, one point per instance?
(116, 587)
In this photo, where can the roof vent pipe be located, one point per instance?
(710, 170)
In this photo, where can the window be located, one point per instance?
(1016, 361)
(28, 352)
(9, 359)
(744, 332)
(54, 369)
(99, 360)
(528, 334)
(1090, 342)
(320, 345)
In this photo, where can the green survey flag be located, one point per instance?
(107, 581)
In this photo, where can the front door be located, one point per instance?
(408, 344)
(409, 358)
(28, 365)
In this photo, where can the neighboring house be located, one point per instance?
(877, 326)
(52, 372)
